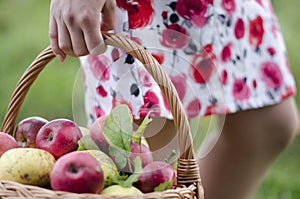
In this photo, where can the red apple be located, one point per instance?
(77, 172)
(27, 130)
(96, 133)
(141, 151)
(7, 142)
(59, 137)
(156, 176)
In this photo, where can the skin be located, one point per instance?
(74, 26)
(249, 141)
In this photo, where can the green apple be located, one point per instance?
(120, 191)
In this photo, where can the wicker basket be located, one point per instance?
(188, 177)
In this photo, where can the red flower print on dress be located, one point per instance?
(145, 78)
(271, 75)
(240, 90)
(271, 51)
(239, 28)
(164, 15)
(151, 102)
(115, 54)
(101, 91)
(159, 56)
(194, 10)
(226, 53)
(224, 77)
(259, 2)
(193, 108)
(289, 92)
(122, 4)
(228, 6)
(274, 30)
(99, 66)
(118, 101)
(179, 82)
(140, 13)
(174, 37)
(254, 83)
(203, 65)
(210, 110)
(98, 111)
(256, 31)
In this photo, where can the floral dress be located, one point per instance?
(222, 56)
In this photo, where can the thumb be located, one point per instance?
(108, 15)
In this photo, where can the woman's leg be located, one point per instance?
(161, 136)
(249, 143)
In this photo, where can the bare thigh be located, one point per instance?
(249, 143)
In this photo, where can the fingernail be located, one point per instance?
(60, 58)
(101, 48)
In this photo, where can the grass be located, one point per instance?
(283, 179)
(24, 33)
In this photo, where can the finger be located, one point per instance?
(78, 42)
(93, 37)
(64, 40)
(108, 16)
(53, 35)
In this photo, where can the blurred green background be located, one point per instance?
(24, 34)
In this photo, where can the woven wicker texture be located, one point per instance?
(188, 177)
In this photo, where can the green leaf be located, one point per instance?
(87, 143)
(121, 156)
(138, 169)
(164, 186)
(137, 135)
(118, 127)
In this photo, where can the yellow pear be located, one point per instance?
(108, 166)
(27, 166)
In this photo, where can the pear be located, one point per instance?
(30, 166)
(107, 165)
(119, 190)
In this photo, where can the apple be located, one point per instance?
(7, 142)
(59, 137)
(27, 130)
(156, 176)
(141, 151)
(77, 172)
(96, 133)
(119, 190)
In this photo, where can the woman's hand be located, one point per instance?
(74, 26)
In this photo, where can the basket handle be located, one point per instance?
(186, 163)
